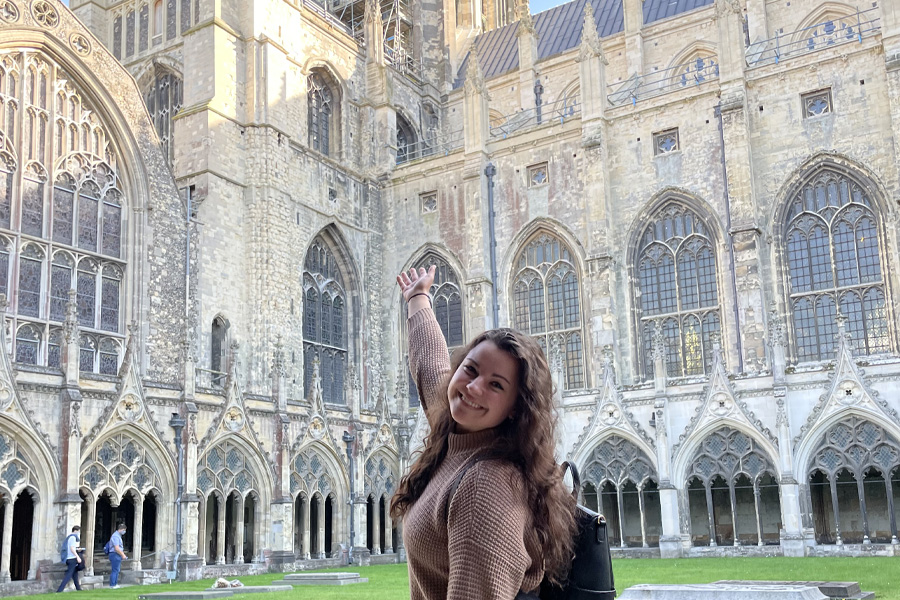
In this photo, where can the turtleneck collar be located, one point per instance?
(463, 443)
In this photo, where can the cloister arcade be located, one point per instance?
(732, 492)
(620, 481)
(380, 484)
(854, 484)
(125, 478)
(317, 511)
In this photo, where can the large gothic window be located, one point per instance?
(164, 99)
(324, 322)
(677, 291)
(61, 221)
(834, 263)
(324, 113)
(447, 302)
(547, 302)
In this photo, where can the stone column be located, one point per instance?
(282, 536)
(70, 432)
(388, 530)
(305, 554)
(88, 535)
(592, 77)
(320, 521)
(7, 541)
(527, 42)
(671, 544)
(220, 531)
(137, 538)
(376, 531)
(193, 546)
(634, 37)
(239, 531)
(475, 108)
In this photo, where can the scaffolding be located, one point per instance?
(397, 32)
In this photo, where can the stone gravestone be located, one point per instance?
(715, 591)
(845, 590)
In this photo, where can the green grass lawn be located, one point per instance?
(390, 582)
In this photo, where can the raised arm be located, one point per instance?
(429, 360)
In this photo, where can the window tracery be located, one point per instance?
(379, 478)
(225, 468)
(120, 463)
(834, 264)
(324, 113)
(15, 469)
(677, 291)
(60, 211)
(309, 474)
(325, 322)
(618, 460)
(446, 298)
(856, 445)
(164, 99)
(727, 453)
(546, 302)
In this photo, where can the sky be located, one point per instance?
(542, 5)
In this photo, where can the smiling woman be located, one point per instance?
(484, 509)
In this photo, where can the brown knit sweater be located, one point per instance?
(481, 548)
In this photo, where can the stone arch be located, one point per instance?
(158, 472)
(854, 469)
(325, 476)
(382, 472)
(686, 452)
(532, 229)
(587, 447)
(253, 464)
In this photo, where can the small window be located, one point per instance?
(816, 104)
(538, 175)
(666, 142)
(428, 202)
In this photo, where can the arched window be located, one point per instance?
(60, 212)
(406, 141)
(218, 346)
(447, 302)
(164, 100)
(677, 291)
(324, 321)
(157, 22)
(834, 263)
(547, 302)
(324, 113)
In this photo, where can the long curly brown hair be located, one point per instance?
(527, 439)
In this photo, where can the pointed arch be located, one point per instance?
(317, 469)
(382, 472)
(831, 242)
(842, 17)
(331, 307)
(693, 65)
(407, 138)
(230, 463)
(324, 99)
(20, 445)
(682, 462)
(546, 297)
(584, 457)
(673, 262)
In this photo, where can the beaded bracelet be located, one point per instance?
(427, 295)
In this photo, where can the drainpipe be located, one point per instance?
(490, 171)
(177, 423)
(734, 292)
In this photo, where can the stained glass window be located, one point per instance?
(117, 37)
(88, 202)
(129, 33)
(144, 25)
(446, 294)
(109, 298)
(87, 353)
(54, 348)
(63, 208)
(7, 169)
(547, 302)
(30, 280)
(108, 358)
(60, 284)
(185, 15)
(28, 342)
(320, 100)
(4, 266)
(677, 291)
(324, 321)
(86, 288)
(33, 207)
(834, 264)
(171, 19)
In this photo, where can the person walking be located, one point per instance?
(70, 547)
(116, 555)
(484, 508)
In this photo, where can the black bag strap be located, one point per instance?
(459, 477)
(576, 478)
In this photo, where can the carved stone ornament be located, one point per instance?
(192, 429)
(234, 419)
(384, 434)
(80, 44)
(130, 408)
(721, 405)
(317, 428)
(610, 414)
(6, 395)
(8, 11)
(44, 13)
(849, 392)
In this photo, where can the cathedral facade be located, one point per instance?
(692, 206)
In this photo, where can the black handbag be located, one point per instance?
(591, 574)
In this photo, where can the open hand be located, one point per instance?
(416, 282)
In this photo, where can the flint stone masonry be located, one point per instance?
(715, 591)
